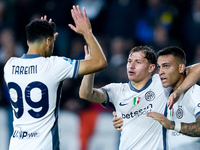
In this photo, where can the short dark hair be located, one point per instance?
(150, 54)
(175, 51)
(38, 29)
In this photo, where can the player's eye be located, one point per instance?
(129, 61)
(166, 66)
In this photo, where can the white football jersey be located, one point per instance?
(139, 132)
(184, 110)
(34, 84)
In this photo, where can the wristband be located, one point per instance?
(177, 126)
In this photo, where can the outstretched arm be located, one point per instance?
(83, 27)
(86, 90)
(189, 129)
(192, 77)
(89, 93)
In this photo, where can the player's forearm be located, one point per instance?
(97, 56)
(192, 77)
(86, 88)
(88, 92)
(190, 129)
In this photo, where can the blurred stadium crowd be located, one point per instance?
(119, 25)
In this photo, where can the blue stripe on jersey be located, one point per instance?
(147, 84)
(197, 114)
(76, 69)
(54, 131)
(106, 103)
(25, 56)
(164, 130)
(55, 137)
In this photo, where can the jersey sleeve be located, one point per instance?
(63, 67)
(107, 102)
(111, 91)
(6, 68)
(195, 99)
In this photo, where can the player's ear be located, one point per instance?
(48, 41)
(181, 68)
(27, 43)
(152, 68)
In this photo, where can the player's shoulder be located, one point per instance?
(194, 89)
(120, 84)
(61, 59)
(156, 77)
(156, 80)
(115, 86)
(192, 94)
(196, 86)
(11, 60)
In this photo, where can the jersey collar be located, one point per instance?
(147, 84)
(26, 56)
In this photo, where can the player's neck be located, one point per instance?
(31, 52)
(179, 82)
(139, 84)
(36, 49)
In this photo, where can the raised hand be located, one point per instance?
(50, 20)
(82, 23)
(87, 53)
(45, 18)
(173, 98)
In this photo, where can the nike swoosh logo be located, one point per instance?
(120, 104)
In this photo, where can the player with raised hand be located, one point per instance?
(133, 100)
(144, 93)
(35, 81)
(97, 58)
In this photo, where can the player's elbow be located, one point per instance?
(83, 95)
(105, 64)
(102, 64)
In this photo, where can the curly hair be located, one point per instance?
(37, 30)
